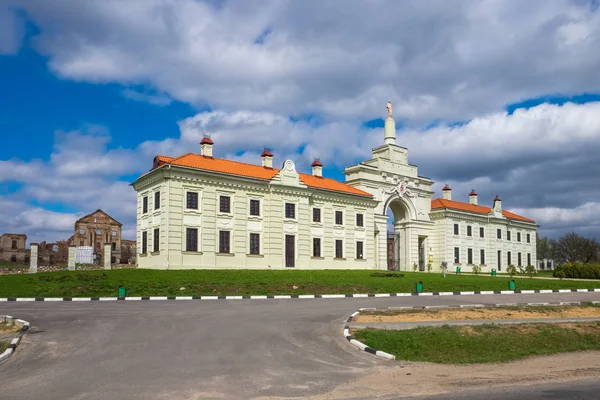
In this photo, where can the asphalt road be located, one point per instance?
(199, 349)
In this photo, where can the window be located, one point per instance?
(156, 200)
(254, 207)
(499, 260)
(528, 238)
(82, 231)
(360, 220)
(254, 243)
(359, 250)
(456, 229)
(316, 247)
(469, 231)
(144, 242)
(114, 246)
(481, 232)
(225, 204)
(191, 239)
(508, 258)
(339, 249)
(156, 240)
(528, 259)
(499, 233)
(192, 200)
(469, 256)
(507, 235)
(144, 205)
(339, 218)
(316, 215)
(518, 236)
(224, 241)
(82, 243)
(482, 256)
(456, 255)
(13, 258)
(14, 244)
(290, 210)
(519, 259)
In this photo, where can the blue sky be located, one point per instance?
(90, 93)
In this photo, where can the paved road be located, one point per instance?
(585, 390)
(198, 349)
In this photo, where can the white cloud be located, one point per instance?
(156, 99)
(434, 60)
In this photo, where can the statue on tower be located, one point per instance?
(389, 109)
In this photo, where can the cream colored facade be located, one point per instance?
(172, 219)
(260, 235)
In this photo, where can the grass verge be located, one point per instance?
(483, 343)
(3, 346)
(143, 282)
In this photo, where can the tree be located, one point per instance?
(544, 247)
(572, 247)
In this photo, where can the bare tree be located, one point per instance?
(572, 247)
(544, 248)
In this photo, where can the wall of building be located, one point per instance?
(172, 219)
(444, 225)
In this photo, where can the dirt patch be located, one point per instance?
(479, 314)
(414, 379)
(5, 328)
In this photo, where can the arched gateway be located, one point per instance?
(396, 185)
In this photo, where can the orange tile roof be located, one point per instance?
(192, 160)
(460, 206)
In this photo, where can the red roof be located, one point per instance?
(266, 153)
(473, 193)
(439, 204)
(316, 163)
(206, 140)
(446, 187)
(237, 168)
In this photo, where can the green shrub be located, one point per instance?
(476, 269)
(578, 271)
(530, 270)
(512, 270)
(559, 274)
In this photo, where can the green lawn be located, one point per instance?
(140, 282)
(13, 266)
(483, 343)
(3, 346)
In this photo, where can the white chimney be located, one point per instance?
(267, 159)
(447, 193)
(497, 204)
(473, 197)
(206, 147)
(317, 168)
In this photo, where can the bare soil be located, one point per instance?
(5, 328)
(414, 379)
(479, 314)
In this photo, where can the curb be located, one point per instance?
(296, 296)
(15, 342)
(383, 354)
(362, 346)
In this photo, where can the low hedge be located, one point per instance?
(581, 271)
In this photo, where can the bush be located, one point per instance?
(578, 271)
(476, 269)
(530, 270)
(512, 270)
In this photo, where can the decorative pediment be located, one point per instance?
(98, 217)
(288, 176)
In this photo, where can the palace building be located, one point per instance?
(197, 211)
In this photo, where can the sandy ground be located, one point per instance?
(415, 379)
(5, 328)
(479, 314)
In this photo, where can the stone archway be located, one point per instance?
(399, 242)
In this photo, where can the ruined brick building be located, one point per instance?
(12, 248)
(98, 229)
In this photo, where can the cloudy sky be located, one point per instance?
(499, 96)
